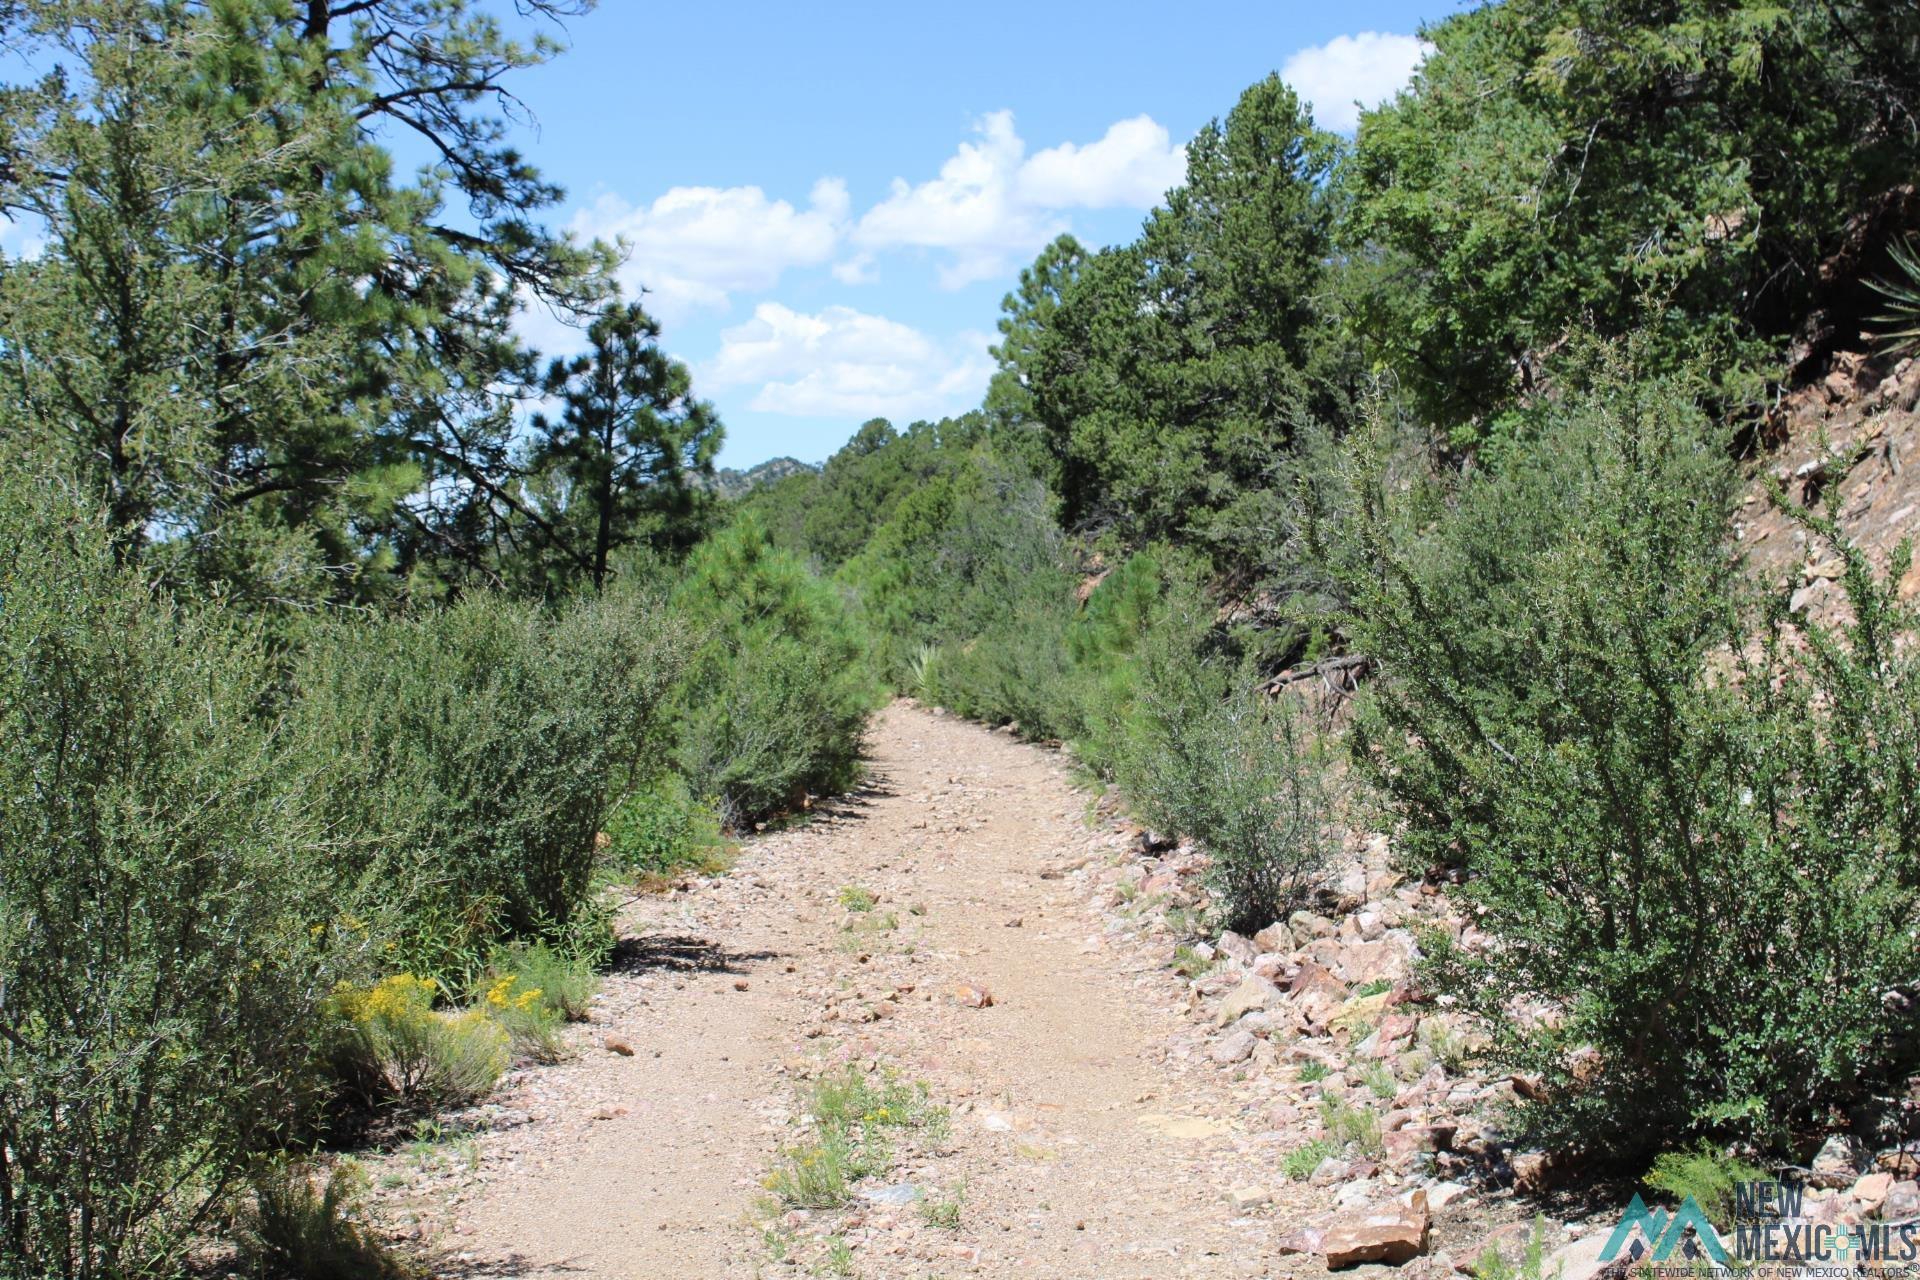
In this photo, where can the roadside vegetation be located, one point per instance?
(338, 689)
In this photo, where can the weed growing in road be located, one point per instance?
(855, 1118)
(818, 1174)
(864, 931)
(1299, 1163)
(839, 1259)
(944, 1211)
(855, 898)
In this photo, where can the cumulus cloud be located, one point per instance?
(1348, 73)
(840, 362)
(992, 204)
(1133, 165)
(971, 210)
(694, 247)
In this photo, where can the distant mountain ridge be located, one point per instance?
(729, 482)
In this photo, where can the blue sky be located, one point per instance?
(827, 203)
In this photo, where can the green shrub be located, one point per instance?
(532, 1025)
(1299, 1163)
(295, 1230)
(1707, 1174)
(397, 1052)
(1104, 646)
(474, 753)
(565, 980)
(923, 675)
(532, 990)
(774, 705)
(1350, 1126)
(159, 972)
(966, 594)
(1208, 755)
(662, 828)
(1680, 822)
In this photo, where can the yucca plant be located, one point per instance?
(1902, 316)
(923, 673)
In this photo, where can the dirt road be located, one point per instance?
(1088, 1138)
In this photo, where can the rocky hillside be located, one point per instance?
(1848, 439)
(730, 482)
(1388, 1139)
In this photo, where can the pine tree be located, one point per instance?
(626, 445)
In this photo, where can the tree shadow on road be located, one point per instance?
(513, 1267)
(851, 806)
(680, 953)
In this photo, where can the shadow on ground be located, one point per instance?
(681, 953)
(512, 1268)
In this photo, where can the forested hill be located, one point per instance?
(356, 657)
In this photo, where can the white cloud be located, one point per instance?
(971, 210)
(1366, 69)
(840, 362)
(694, 247)
(992, 204)
(859, 269)
(1133, 165)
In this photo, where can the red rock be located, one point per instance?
(1528, 1087)
(615, 1044)
(973, 995)
(1392, 1233)
(1273, 939)
(1394, 1030)
(1387, 959)
(1316, 992)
